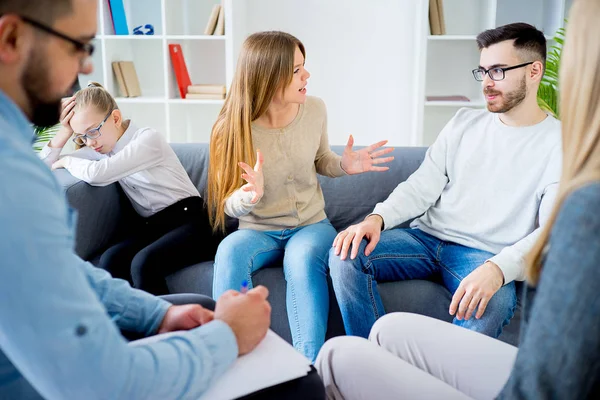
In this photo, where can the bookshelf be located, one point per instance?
(209, 59)
(446, 61)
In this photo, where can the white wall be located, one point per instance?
(360, 53)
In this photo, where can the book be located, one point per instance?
(207, 89)
(117, 12)
(181, 73)
(272, 362)
(212, 20)
(120, 80)
(434, 18)
(220, 28)
(205, 96)
(440, 5)
(130, 77)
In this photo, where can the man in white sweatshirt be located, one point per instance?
(485, 187)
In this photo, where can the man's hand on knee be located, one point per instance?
(370, 229)
(476, 290)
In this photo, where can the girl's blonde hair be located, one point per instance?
(265, 66)
(579, 81)
(96, 96)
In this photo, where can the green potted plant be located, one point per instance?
(43, 135)
(548, 92)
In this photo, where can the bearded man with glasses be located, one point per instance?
(479, 198)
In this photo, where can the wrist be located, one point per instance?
(496, 268)
(376, 218)
(60, 139)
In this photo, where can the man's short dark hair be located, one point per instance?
(529, 41)
(44, 11)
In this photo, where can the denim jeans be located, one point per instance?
(403, 254)
(304, 251)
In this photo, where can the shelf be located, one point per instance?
(195, 101)
(140, 100)
(195, 37)
(131, 37)
(455, 103)
(452, 37)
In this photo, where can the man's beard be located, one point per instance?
(36, 82)
(510, 100)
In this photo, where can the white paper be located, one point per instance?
(272, 362)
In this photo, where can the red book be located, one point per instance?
(181, 73)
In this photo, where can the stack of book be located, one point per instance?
(127, 79)
(437, 24)
(206, 92)
(216, 21)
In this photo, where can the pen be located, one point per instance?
(244, 288)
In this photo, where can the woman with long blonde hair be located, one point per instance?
(412, 356)
(268, 121)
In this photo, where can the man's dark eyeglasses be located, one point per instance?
(496, 73)
(87, 48)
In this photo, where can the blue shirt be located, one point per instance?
(60, 316)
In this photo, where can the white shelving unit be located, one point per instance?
(446, 61)
(209, 59)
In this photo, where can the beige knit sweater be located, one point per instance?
(292, 158)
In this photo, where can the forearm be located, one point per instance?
(67, 346)
(330, 164)
(50, 154)
(131, 309)
(411, 198)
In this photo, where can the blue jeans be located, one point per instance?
(304, 251)
(403, 254)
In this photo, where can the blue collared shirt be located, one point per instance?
(60, 316)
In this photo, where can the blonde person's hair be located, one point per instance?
(579, 83)
(265, 66)
(95, 96)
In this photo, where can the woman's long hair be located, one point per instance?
(579, 81)
(265, 65)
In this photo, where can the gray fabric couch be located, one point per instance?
(103, 214)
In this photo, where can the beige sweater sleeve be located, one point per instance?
(327, 162)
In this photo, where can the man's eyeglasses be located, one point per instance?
(80, 139)
(87, 48)
(496, 73)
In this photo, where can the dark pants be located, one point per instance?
(309, 387)
(172, 239)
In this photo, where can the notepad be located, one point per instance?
(272, 362)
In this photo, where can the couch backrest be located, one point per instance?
(103, 212)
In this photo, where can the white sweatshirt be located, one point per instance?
(484, 185)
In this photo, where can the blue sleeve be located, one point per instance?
(55, 319)
(559, 355)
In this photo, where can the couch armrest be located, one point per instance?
(103, 213)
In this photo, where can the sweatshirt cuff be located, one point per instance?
(48, 151)
(388, 223)
(511, 265)
(341, 172)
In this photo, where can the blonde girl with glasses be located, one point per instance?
(172, 229)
